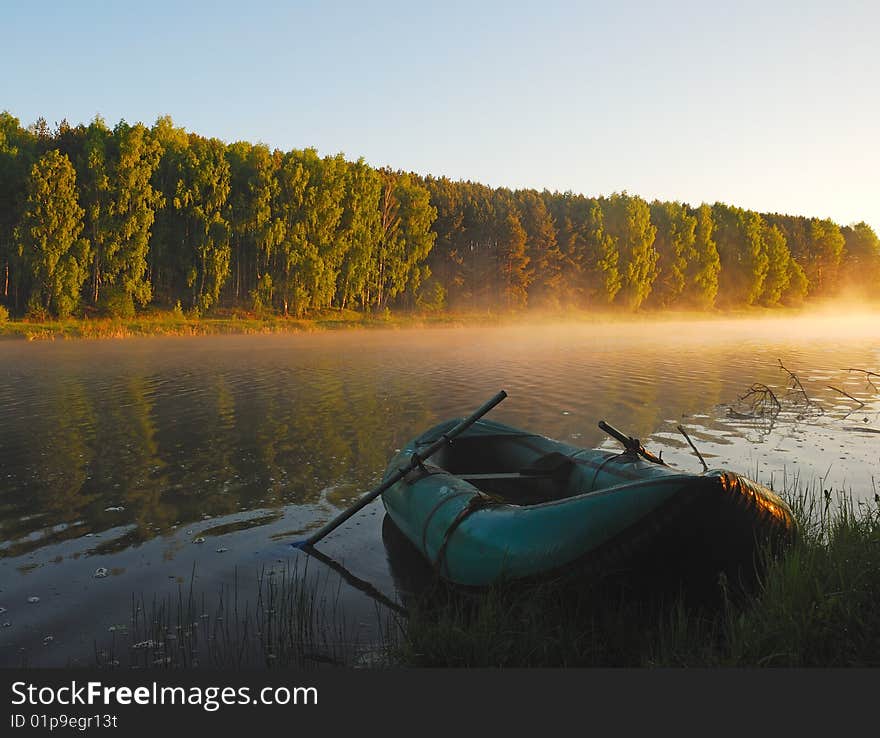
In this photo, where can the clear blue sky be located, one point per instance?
(767, 105)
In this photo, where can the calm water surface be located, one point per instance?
(170, 462)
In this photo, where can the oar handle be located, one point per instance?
(630, 444)
(414, 461)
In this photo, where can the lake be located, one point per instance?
(139, 469)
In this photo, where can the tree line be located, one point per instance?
(101, 220)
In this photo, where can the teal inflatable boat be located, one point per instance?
(497, 503)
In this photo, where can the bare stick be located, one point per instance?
(699, 455)
(861, 404)
(798, 387)
(868, 376)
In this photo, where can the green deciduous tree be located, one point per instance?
(405, 237)
(294, 252)
(629, 224)
(48, 236)
(255, 225)
(742, 251)
(16, 159)
(324, 206)
(201, 199)
(674, 243)
(132, 211)
(359, 233)
(703, 264)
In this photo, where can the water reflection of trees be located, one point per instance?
(149, 452)
(173, 443)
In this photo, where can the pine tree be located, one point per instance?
(779, 271)
(512, 262)
(825, 249)
(860, 265)
(545, 257)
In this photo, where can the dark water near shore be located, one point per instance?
(156, 458)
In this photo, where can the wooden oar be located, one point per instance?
(414, 461)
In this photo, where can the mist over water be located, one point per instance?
(124, 455)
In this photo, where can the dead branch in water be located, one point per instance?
(796, 388)
(761, 400)
(868, 376)
(861, 404)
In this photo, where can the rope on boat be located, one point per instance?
(431, 514)
(601, 466)
(480, 502)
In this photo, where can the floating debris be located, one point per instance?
(89, 535)
(33, 600)
(200, 539)
(114, 509)
(47, 640)
(101, 572)
(222, 550)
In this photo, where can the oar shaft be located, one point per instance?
(414, 461)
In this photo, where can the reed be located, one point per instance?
(294, 620)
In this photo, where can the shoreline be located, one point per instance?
(169, 323)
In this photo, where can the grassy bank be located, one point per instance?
(170, 323)
(177, 323)
(814, 606)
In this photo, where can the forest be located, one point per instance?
(108, 221)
